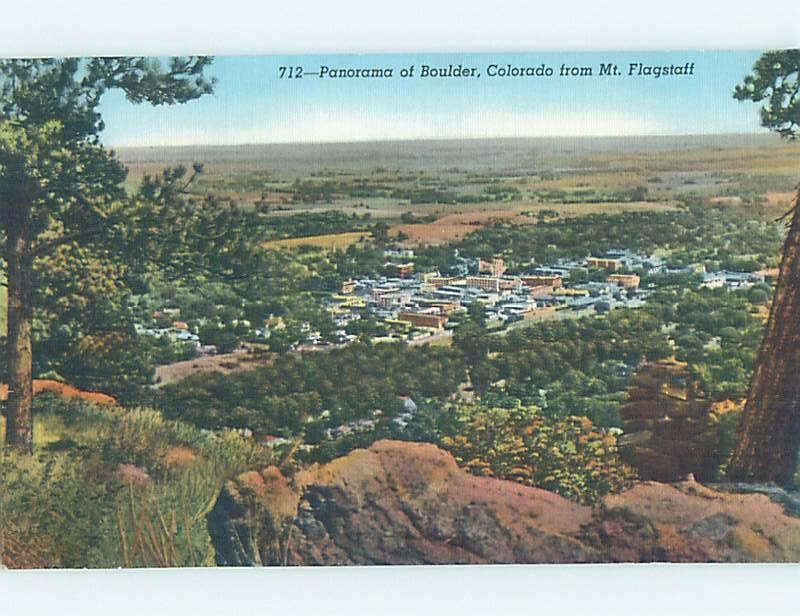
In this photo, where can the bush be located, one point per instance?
(52, 510)
(568, 456)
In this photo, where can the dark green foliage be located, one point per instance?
(348, 384)
(223, 338)
(583, 367)
(312, 223)
(638, 193)
(759, 294)
(700, 233)
(775, 79)
(577, 367)
(68, 90)
(61, 197)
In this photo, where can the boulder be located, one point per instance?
(670, 428)
(394, 503)
(689, 522)
(409, 503)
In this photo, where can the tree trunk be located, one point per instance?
(19, 274)
(769, 432)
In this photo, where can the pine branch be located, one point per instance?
(792, 209)
(43, 247)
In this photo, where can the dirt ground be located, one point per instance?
(224, 363)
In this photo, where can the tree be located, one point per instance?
(472, 341)
(568, 455)
(768, 437)
(58, 185)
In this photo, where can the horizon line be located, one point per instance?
(439, 139)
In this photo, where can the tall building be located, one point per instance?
(419, 319)
(495, 284)
(630, 281)
(611, 265)
(538, 280)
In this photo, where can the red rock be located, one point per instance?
(409, 503)
(404, 503)
(64, 390)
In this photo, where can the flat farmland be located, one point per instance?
(328, 241)
(780, 199)
(454, 227)
(433, 192)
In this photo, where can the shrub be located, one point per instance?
(111, 487)
(52, 510)
(565, 455)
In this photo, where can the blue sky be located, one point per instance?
(252, 105)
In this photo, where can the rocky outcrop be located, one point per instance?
(251, 521)
(64, 390)
(688, 522)
(409, 503)
(670, 428)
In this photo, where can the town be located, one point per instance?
(420, 307)
(426, 306)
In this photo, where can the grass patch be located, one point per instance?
(328, 241)
(115, 488)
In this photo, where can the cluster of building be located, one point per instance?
(176, 331)
(417, 305)
(402, 419)
(733, 280)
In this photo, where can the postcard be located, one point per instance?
(400, 309)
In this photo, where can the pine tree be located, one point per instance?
(58, 184)
(769, 432)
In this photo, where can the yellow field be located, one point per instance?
(3, 310)
(47, 429)
(329, 241)
(774, 159)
